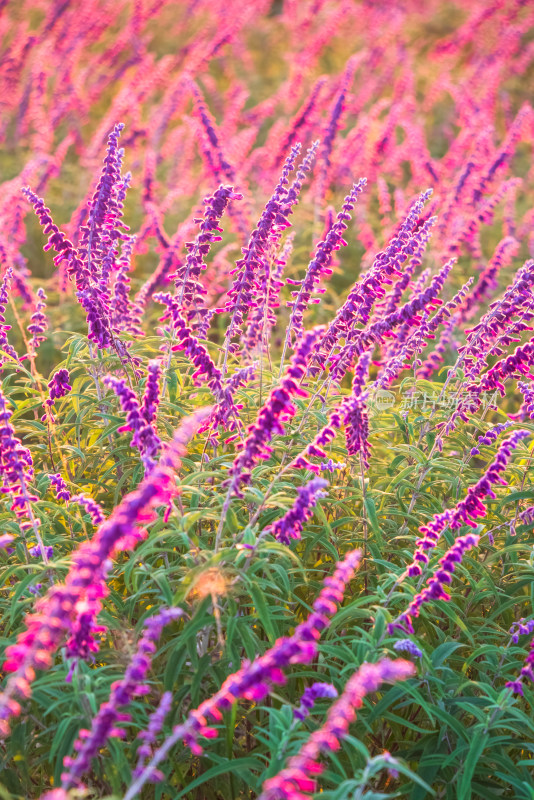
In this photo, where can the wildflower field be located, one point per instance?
(267, 399)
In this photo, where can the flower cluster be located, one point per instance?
(520, 628)
(144, 436)
(242, 295)
(5, 346)
(38, 324)
(277, 409)
(298, 779)
(407, 646)
(69, 609)
(111, 713)
(151, 396)
(363, 295)
(60, 487)
(16, 471)
(291, 524)
(355, 417)
(189, 294)
(311, 694)
(434, 589)
(58, 387)
(254, 679)
(91, 506)
(320, 264)
(491, 435)
(467, 510)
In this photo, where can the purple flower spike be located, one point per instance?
(57, 481)
(332, 466)
(148, 736)
(144, 436)
(59, 385)
(467, 511)
(358, 306)
(4, 300)
(16, 473)
(35, 552)
(320, 264)
(151, 396)
(291, 524)
(298, 779)
(38, 324)
(92, 507)
(106, 723)
(434, 589)
(355, 415)
(242, 295)
(491, 435)
(189, 297)
(311, 694)
(407, 646)
(90, 264)
(277, 409)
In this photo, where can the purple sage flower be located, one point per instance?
(467, 510)
(311, 694)
(407, 646)
(106, 723)
(298, 779)
(60, 487)
(291, 524)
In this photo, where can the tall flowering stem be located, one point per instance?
(355, 416)
(298, 779)
(242, 295)
(263, 315)
(38, 324)
(16, 473)
(148, 736)
(333, 125)
(70, 609)
(112, 712)
(407, 315)
(144, 435)
(90, 264)
(357, 307)
(434, 589)
(270, 421)
(467, 510)
(189, 291)
(319, 266)
(4, 300)
(254, 679)
(151, 396)
(291, 524)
